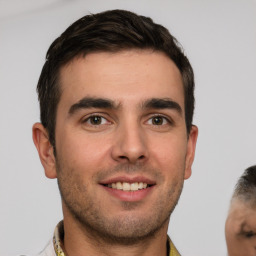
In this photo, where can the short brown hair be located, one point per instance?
(110, 31)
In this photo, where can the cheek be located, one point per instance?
(80, 153)
(170, 152)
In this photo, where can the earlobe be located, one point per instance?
(45, 150)
(191, 147)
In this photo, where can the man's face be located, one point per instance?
(122, 149)
(240, 229)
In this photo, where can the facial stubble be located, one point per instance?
(125, 229)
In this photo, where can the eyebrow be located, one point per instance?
(159, 103)
(90, 102)
(154, 103)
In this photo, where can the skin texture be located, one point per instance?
(134, 139)
(240, 229)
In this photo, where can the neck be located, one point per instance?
(79, 241)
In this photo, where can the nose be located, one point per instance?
(130, 144)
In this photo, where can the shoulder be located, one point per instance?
(48, 250)
(173, 250)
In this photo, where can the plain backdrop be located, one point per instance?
(219, 38)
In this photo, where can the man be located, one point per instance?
(116, 100)
(240, 226)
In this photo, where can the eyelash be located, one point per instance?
(89, 119)
(249, 234)
(163, 120)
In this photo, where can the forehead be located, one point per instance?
(122, 74)
(242, 214)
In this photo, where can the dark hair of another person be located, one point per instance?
(109, 31)
(245, 189)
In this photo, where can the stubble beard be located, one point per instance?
(119, 229)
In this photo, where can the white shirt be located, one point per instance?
(48, 250)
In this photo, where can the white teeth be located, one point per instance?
(140, 185)
(125, 186)
(119, 185)
(134, 186)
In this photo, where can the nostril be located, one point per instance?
(131, 159)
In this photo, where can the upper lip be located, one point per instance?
(128, 180)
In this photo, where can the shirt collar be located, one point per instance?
(59, 236)
(58, 239)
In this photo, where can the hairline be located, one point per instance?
(245, 189)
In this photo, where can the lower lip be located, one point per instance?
(129, 196)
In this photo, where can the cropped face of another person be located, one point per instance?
(240, 229)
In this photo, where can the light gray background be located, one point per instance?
(219, 37)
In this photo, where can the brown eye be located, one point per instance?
(157, 120)
(96, 120)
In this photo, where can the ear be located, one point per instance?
(45, 150)
(191, 147)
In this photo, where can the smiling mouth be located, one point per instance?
(125, 186)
